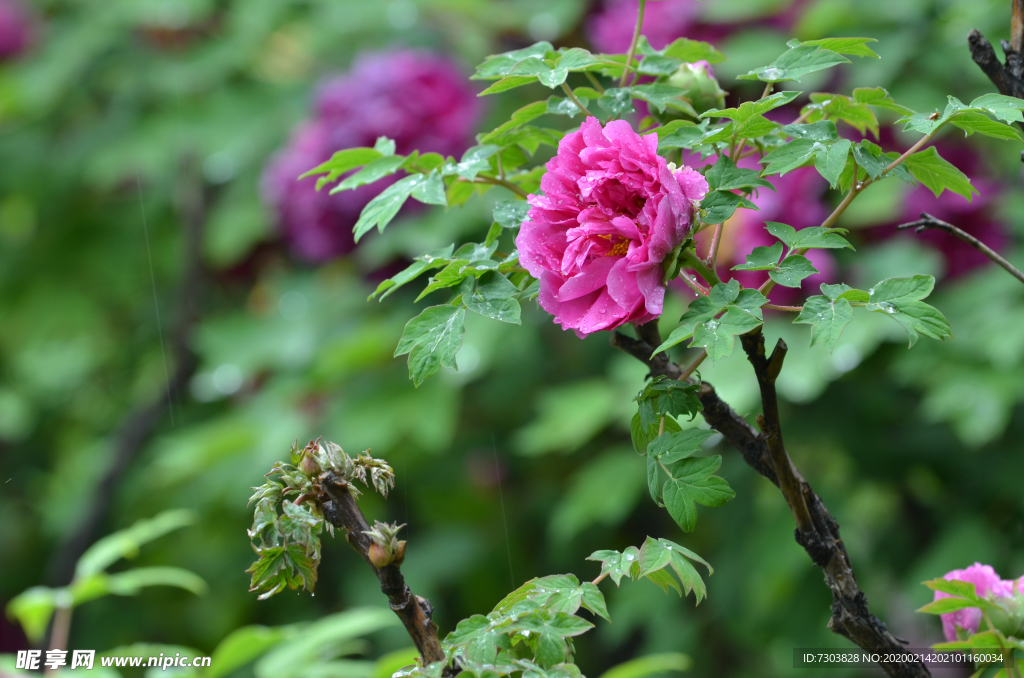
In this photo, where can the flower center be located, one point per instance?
(619, 248)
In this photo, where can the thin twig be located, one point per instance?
(694, 285)
(927, 221)
(569, 93)
(767, 89)
(500, 182)
(694, 365)
(790, 309)
(594, 81)
(851, 617)
(633, 43)
(342, 511)
(716, 241)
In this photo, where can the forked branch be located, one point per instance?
(818, 532)
(1007, 77)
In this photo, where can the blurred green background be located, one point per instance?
(123, 122)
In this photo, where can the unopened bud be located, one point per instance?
(400, 552)
(309, 465)
(379, 556)
(697, 80)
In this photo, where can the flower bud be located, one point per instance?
(309, 465)
(400, 552)
(1008, 617)
(697, 80)
(379, 556)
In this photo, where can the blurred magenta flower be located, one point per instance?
(611, 28)
(420, 100)
(15, 29)
(985, 580)
(612, 210)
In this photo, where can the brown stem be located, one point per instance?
(342, 511)
(137, 427)
(927, 221)
(503, 183)
(823, 543)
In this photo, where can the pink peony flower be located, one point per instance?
(15, 29)
(612, 210)
(420, 100)
(985, 580)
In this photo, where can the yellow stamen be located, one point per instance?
(621, 247)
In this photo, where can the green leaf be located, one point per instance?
(493, 298)
(830, 164)
(240, 647)
(431, 190)
(752, 109)
(565, 106)
(126, 543)
(720, 205)
(850, 46)
(792, 271)
(378, 169)
(422, 264)
(954, 587)
(642, 436)
(827, 318)
(756, 127)
(790, 156)
(342, 162)
(33, 609)
(813, 237)
(671, 447)
(663, 96)
(593, 600)
(823, 130)
(130, 582)
(658, 65)
(664, 396)
(661, 554)
(947, 605)
(725, 176)
(432, 339)
(762, 259)
(476, 160)
(879, 98)
(518, 119)
(982, 124)
(511, 213)
(796, 63)
(499, 65)
(618, 565)
(936, 173)
(617, 101)
(384, 146)
(650, 665)
(382, 209)
(686, 135)
(577, 59)
(717, 335)
(1007, 109)
(688, 50)
(899, 298)
(692, 481)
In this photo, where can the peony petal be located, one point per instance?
(593, 277)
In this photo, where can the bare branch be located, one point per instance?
(822, 542)
(927, 221)
(342, 511)
(1009, 77)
